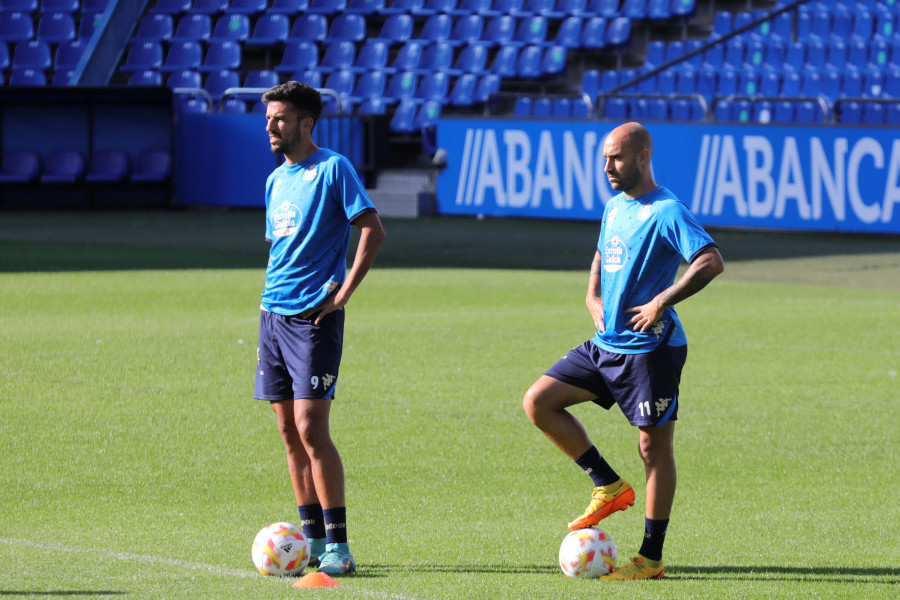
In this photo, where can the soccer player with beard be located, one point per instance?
(636, 356)
(312, 200)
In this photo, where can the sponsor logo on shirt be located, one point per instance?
(615, 254)
(285, 220)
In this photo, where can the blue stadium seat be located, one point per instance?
(63, 6)
(436, 28)
(408, 57)
(580, 108)
(218, 81)
(561, 108)
(326, 7)
(851, 84)
(533, 8)
(225, 54)
(174, 8)
(658, 10)
(807, 112)
(504, 62)
(192, 28)
(233, 27)
(341, 82)
(722, 24)
(554, 60)
(593, 36)
(682, 8)
(338, 56)
(187, 78)
(618, 32)
(615, 108)
(234, 105)
(634, 9)
(466, 30)
(686, 82)
(183, 56)
(770, 83)
(433, 7)
(298, 56)
(401, 85)
(727, 83)
(603, 8)
(152, 28)
(783, 112)
(499, 31)
(892, 83)
(271, 29)
(373, 56)
(148, 78)
(666, 82)
(370, 84)
(563, 9)
(879, 51)
(790, 84)
(503, 7)
(404, 116)
(22, 6)
(32, 54)
(831, 85)
(522, 106)
(372, 106)
(265, 78)
(530, 31)
(251, 8)
(309, 76)
(433, 86)
(569, 33)
(396, 29)
(213, 8)
(91, 7)
(885, 24)
(706, 84)
(68, 54)
(542, 107)
(63, 166)
(463, 90)
(55, 28)
(811, 84)
(109, 165)
(850, 112)
(722, 110)
(365, 7)
(20, 166)
(309, 27)
(289, 8)
(470, 7)
(471, 59)
(590, 82)
(405, 7)
(152, 166)
(27, 77)
(873, 113)
(16, 27)
(487, 85)
(528, 63)
(795, 56)
(873, 83)
(892, 115)
(347, 27)
(436, 57)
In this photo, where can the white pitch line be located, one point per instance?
(174, 562)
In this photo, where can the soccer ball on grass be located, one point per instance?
(587, 553)
(280, 549)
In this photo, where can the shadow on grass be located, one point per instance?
(376, 570)
(821, 574)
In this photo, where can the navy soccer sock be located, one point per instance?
(312, 520)
(654, 538)
(596, 467)
(336, 525)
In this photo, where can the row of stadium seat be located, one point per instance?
(69, 166)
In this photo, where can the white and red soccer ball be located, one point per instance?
(587, 553)
(280, 549)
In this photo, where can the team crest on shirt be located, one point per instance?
(645, 212)
(285, 220)
(615, 254)
(310, 173)
(611, 217)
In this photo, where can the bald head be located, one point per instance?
(627, 150)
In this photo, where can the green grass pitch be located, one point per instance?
(135, 465)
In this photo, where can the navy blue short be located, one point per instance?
(297, 359)
(645, 386)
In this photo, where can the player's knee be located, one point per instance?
(532, 404)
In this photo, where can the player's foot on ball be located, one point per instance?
(337, 560)
(316, 550)
(639, 568)
(605, 500)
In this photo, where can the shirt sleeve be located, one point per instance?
(682, 232)
(352, 193)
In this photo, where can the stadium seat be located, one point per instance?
(436, 28)
(371, 84)
(603, 8)
(569, 33)
(396, 29)
(187, 78)
(232, 27)
(152, 166)
(261, 79)
(218, 81)
(22, 6)
(436, 57)
(553, 60)
(16, 27)
(873, 113)
(34, 55)
(251, 8)
(401, 85)
(298, 56)
(309, 27)
(590, 82)
(580, 108)
(783, 112)
(408, 57)
(466, 30)
(892, 116)
(154, 28)
(20, 166)
(593, 36)
(790, 84)
(404, 7)
(151, 78)
(347, 27)
(806, 112)
(463, 90)
(851, 84)
(433, 86)
(371, 106)
(487, 84)
(326, 7)
(341, 82)
(562, 9)
(269, 30)
(364, 7)
(60, 6)
(233, 105)
(182, 56)
(616, 108)
(309, 76)
(143, 55)
(499, 31)
(470, 7)
(561, 108)
(213, 8)
(68, 54)
(505, 62)
(222, 55)
(174, 8)
(63, 166)
(338, 56)
(192, 28)
(289, 8)
(540, 107)
(530, 31)
(471, 59)
(404, 116)
(432, 7)
(108, 166)
(722, 111)
(373, 56)
(55, 28)
(87, 25)
(849, 112)
(634, 9)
